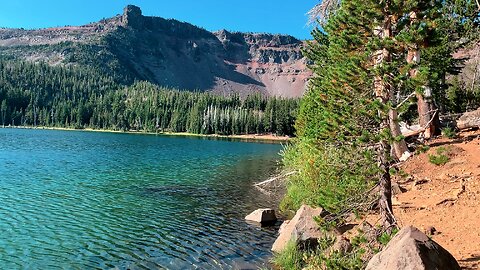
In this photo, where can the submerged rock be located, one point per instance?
(302, 229)
(262, 216)
(411, 249)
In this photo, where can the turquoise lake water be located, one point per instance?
(87, 200)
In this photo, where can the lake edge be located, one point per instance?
(253, 138)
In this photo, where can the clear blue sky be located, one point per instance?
(272, 16)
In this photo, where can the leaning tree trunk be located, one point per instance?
(399, 146)
(383, 93)
(427, 111)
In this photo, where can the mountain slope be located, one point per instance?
(169, 53)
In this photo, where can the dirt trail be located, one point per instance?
(446, 197)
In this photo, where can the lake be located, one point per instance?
(91, 200)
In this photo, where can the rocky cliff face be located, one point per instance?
(169, 53)
(470, 72)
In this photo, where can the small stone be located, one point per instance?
(416, 184)
(262, 216)
(396, 202)
(405, 156)
(397, 189)
(431, 231)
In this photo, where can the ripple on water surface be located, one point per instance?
(80, 200)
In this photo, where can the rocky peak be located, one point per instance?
(132, 17)
(170, 53)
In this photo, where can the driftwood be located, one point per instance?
(274, 179)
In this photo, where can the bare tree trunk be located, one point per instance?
(34, 116)
(426, 111)
(385, 203)
(383, 92)
(399, 146)
(475, 68)
(425, 106)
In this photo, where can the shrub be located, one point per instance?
(449, 132)
(290, 258)
(385, 237)
(423, 148)
(328, 175)
(441, 158)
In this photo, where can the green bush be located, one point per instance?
(290, 258)
(327, 175)
(441, 158)
(423, 148)
(385, 237)
(449, 132)
(320, 258)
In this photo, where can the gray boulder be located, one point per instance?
(302, 229)
(262, 216)
(469, 120)
(411, 249)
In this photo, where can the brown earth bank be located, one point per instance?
(444, 200)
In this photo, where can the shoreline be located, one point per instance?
(271, 138)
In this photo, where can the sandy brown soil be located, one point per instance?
(446, 197)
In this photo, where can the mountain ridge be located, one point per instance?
(169, 53)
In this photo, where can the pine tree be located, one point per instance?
(361, 77)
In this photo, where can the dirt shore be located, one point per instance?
(445, 197)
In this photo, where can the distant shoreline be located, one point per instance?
(244, 137)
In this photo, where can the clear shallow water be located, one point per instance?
(84, 200)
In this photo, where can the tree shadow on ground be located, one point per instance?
(456, 140)
(473, 262)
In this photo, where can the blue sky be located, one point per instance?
(272, 16)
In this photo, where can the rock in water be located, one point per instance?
(411, 249)
(302, 229)
(262, 216)
(469, 120)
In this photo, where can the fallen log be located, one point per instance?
(409, 131)
(469, 120)
(274, 179)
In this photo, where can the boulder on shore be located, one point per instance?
(469, 120)
(262, 216)
(411, 249)
(302, 229)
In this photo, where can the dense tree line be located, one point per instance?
(42, 95)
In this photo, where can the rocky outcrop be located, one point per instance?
(169, 53)
(262, 216)
(469, 57)
(410, 249)
(132, 17)
(469, 120)
(302, 229)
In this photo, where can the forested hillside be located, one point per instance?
(75, 97)
(168, 53)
